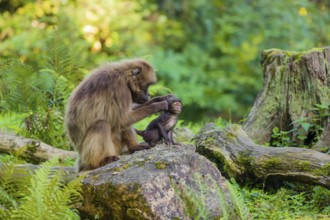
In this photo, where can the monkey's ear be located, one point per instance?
(136, 71)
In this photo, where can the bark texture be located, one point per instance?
(235, 153)
(294, 84)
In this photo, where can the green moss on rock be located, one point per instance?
(124, 167)
(271, 162)
(323, 171)
(161, 165)
(302, 165)
(245, 159)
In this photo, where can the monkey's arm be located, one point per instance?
(143, 112)
(151, 101)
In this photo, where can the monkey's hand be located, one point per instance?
(160, 106)
(165, 97)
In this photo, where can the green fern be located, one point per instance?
(48, 198)
(12, 187)
(194, 202)
(238, 200)
(58, 57)
(41, 94)
(223, 203)
(18, 91)
(41, 195)
(203, 213)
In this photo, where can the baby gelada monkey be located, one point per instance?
(162, 127)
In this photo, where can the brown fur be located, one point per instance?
(100, 113)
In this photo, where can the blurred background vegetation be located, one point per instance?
(205, 52)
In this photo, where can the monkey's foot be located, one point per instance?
(142, 146)
(109, 159)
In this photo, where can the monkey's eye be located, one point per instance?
(136, 71)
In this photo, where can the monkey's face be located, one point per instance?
(141, 78)
(176, 107)
(174, 103)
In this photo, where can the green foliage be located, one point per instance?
(305, 132)
(215, 54)
(11, 121)
(321, 114)
(292, 202)
(11, 189)
(41, 94)
(46, 125)
(40, 195)
(202, 50)
(194, 200)
(288, 204)
(19, 86)
(59, 58)
(238, 200)
(280, 138)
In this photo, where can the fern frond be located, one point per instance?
(7, 200)
(10, 182)
(58, 57)
(222, 200)
(18, 89)
(194, 200)
(48, 197)
(238, 199)
(12, 187)
(203, 189)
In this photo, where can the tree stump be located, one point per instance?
(295, 98)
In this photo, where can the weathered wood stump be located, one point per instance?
(296, 92)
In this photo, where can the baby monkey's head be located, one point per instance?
(174, 104)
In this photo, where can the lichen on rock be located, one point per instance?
(153, 184)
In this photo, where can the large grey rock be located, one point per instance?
(166, 182)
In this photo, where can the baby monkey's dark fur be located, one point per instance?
(162, 127)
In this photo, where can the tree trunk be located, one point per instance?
(34, 151)
(295, 97)
(239, 157)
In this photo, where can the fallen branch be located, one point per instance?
(242, 158)
(32, 150)
(20, 170)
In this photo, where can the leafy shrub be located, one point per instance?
(203, 51)
(305, 131)
(40, 94)
(288, 204)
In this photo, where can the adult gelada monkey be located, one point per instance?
(100, 111)
(162, 127)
